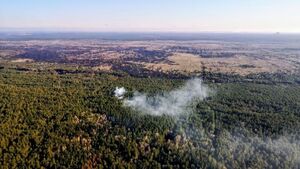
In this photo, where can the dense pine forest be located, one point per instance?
(73, 120)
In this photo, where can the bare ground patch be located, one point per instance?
(239, 64)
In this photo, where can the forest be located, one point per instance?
(50, 119)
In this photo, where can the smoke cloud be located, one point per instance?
(171, 103)
(120, 92)
(281, 152)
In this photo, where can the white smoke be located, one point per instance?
(286, 148)
(120, 92)
(171, 103)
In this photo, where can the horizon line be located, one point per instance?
(77, 30)
(145, 32)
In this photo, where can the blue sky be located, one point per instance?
(152, 15)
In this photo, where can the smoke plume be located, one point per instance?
(171, 103)
(120, 92)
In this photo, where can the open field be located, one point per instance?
(186, 57)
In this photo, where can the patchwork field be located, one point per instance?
(184, 57)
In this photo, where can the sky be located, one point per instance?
(151, 15)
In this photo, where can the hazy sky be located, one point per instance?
(153, 15)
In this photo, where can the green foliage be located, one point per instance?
(74, 121)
